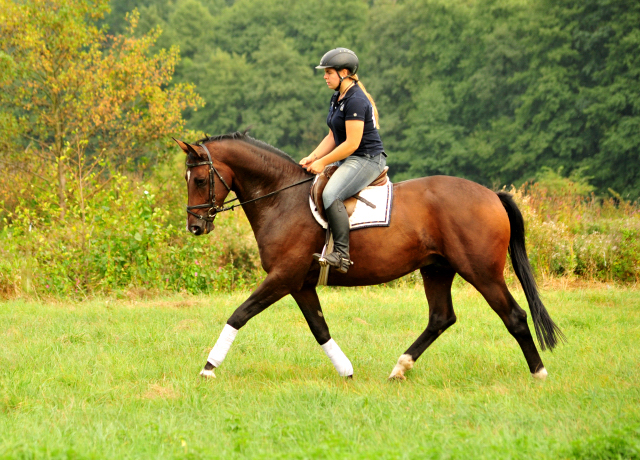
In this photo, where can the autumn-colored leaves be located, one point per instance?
(70, 90)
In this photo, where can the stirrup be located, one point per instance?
(335, 260)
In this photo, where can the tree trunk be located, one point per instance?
(62, 185)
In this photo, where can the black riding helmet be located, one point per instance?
(340, 58)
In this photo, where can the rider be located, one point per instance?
(353, 143)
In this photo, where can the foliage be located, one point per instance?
(573, 234)
(497, 91)
(132, 241)
(491, 90)
(77, 100)
(253, 62)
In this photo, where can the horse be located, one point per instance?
(440, 225)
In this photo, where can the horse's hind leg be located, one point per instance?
(437, 282)
(514, 318)
(308, 301)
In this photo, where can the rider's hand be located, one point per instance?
(306, 161)
(316, 167)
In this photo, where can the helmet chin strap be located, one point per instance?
(341, 80)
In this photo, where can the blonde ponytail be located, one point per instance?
(373, 104)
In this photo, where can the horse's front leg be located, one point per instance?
(308, 301)
(270, 291)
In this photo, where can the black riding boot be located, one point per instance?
(339, 226)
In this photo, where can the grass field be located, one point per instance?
(118, 379)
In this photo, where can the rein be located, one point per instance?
(210, 216)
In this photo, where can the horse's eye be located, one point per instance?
(200, 182)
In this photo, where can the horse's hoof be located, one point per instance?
(207, 374)
(398, 376)
(405, 363)
(540, 375)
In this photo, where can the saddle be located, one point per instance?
(350, 203)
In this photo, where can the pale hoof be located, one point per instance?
(207, 374)
(540, 375)
(405, 363)
(397, 374)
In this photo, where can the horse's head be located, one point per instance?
(207, 188)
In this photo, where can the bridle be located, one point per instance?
(211, 205)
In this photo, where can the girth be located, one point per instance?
(350, 203)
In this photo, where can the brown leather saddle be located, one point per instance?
(350, 203)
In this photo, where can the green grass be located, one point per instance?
(118, 379)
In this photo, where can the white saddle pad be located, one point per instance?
(363, 215)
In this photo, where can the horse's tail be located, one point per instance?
(546, 330)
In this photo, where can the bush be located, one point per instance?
(132, 240)
(575, 234)
(128, 238)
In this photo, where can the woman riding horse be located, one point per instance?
(353, 143)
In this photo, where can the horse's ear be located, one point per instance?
(183, 145)
(188, 148)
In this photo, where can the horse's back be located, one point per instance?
(451, 216)
(450, 189)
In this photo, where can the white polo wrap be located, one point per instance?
(338, 358)
(220, 350)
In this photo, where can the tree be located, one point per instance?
(74, 92)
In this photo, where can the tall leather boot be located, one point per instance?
(339, 226)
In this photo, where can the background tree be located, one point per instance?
(494, 90)
(75, 92)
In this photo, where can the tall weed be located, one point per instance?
(127, 237)
(580, 235)
(130, 238)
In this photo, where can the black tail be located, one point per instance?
(546, 330)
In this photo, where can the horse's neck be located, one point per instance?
(258, 172)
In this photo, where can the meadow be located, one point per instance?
(117, 378)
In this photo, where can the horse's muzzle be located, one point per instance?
(201, 228)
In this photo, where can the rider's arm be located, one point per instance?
(324, 148)
(354, 129)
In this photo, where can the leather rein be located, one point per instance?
(213, 209)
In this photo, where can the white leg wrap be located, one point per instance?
(338, 358)
(222, 346)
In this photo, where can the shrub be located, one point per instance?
(579, 235)
(129, 238)
(133, 240)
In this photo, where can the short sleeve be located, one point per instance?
(356, 108)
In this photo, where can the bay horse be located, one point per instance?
(439, 225)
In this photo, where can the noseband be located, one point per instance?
(211, 205)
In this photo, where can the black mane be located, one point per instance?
(243, 136)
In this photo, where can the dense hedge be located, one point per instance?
(135, 242)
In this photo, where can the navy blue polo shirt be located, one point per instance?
(354, 106)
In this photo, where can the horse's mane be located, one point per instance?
(243, 136)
